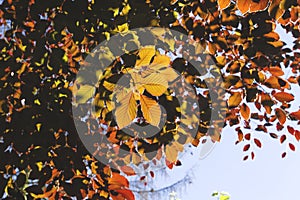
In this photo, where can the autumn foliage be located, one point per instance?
(44, 44)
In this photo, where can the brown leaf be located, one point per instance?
(284, 97)
(283, 155)
(245, 111)
(274, 135)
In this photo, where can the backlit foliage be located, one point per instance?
(47, 41)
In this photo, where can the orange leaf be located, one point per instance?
(118, 180)
(127, 194)
(273, 35)
(257, 142)
(128, 170)
(295, 114)
(258, 5)
(297, 135)
(245, 111)
(223, 4)
(235, 99)
(243, 5)
(240, 136)
(281, 116)
(284, 97)
(276, 71)
(272, 82)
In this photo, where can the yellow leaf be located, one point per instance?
(145, 55)
(221, 60)
(155, 84)
(109, 86)
(126, 111)
(151, 110)
(84, 93)
(171, 153)
(160, 61)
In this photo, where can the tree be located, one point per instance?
(46, 43)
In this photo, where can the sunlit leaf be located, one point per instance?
(245, 111)
(284, 97)
(151, 110)
(281, 116)
(223, 4)
(126, 111)
(235, 99)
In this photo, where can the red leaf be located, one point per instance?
(246, 157)
(252, 155)
(246, 147)
(283, 154)
(169, 164)
(152, 174)
(257, 142)
(291, 130)
(292, 147)
(247, 136)
(142, 178)
(279, 127)
(297, 135)
(282, 139)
